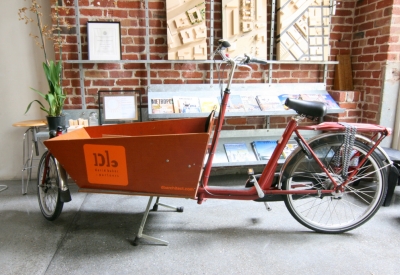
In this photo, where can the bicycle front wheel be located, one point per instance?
(48, 188)
(335, 212)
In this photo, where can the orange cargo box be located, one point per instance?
(159, 157)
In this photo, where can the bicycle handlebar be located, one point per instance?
(240, 60)
(259, 61)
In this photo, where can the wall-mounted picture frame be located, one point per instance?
(119, 106)
(104, 40)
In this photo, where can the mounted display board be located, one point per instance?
(303, 28)
(186, 30)
(244, 25)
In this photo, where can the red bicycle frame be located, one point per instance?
(266, 180)
(267, 175)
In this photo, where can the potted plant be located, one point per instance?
(55, 97)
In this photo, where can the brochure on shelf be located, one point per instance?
(186, 104)
(162, 106)
(235, 104)
(263, 149)
(325, 98)
(269, 103)
(207, 104)
(250, 103)
(237, 152)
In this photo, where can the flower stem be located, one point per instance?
(39, 21)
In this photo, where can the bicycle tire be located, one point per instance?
(334, 213)
(49, 192)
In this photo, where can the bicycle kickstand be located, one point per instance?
(140, 234)
(157, 203)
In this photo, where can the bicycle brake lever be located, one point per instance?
(247, 59)
(246, 66)
(245, 62)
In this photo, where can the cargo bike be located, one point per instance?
(331, 183)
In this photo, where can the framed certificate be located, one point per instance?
(104, 40)
(119, 106)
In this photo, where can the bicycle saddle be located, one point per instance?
(307, 108)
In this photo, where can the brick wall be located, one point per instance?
(360, 28)
(365, 29)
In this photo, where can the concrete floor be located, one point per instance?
(94, 235)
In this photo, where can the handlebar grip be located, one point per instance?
(259, 61)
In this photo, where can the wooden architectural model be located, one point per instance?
(303, 29)
(245, 26)
(186, 30)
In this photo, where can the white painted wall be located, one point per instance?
(389, 102)
(20, 68)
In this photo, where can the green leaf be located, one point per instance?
(39, 92)
(55, 96)
(40, 103)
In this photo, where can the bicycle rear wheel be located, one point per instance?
(48, 188)
(335, 212)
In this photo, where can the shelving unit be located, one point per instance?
(206, 90)
(238, 136)
(211, 49)
(157, 91)
(247, 137)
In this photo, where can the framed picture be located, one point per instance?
(119, 106)
(104, 40)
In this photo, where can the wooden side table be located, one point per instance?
(30, 144)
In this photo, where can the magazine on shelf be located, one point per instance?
(325, 98)
(235, 104)
(162, 106)
(250, 103)
(186, 104)
(263, 149)
(207, 104)
(237, 152)
(269, 103)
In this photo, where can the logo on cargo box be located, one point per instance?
(106, 164)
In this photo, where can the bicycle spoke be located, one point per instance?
(48, 191)
(358, 195)
(338, 211)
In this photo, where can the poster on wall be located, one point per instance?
(104, 40)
